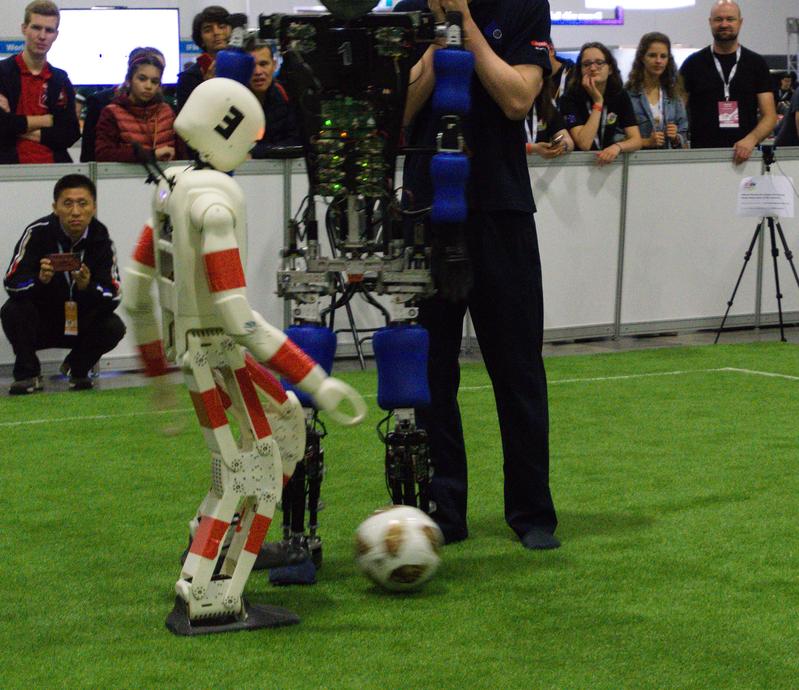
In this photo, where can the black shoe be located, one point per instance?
(539, 539)
(453, 535)
(80, 383)
(26, 386)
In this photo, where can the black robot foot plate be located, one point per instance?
(256, 616)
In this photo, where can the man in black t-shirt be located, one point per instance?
(730, 96)
(508, 39)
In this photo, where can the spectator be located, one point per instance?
(56, 305)
(656, 95)
(211, 31)
(784, 93)
(95, 102)
(789, 129)
(38, 122)
(596, 108)
(137, 115)
(281, 119)
(730, 96)
(547, 135)
(561, 68)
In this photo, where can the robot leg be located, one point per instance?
(250, 469)
(408, 468)
(301, 551)
(401, 354)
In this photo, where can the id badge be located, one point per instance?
(728, 114)
(70, 318)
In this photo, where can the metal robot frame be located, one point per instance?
(348, 74)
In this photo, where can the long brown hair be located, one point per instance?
(614, 85)
(669, 81)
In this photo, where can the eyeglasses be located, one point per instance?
(588, 64)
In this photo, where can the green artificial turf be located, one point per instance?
(676, 483)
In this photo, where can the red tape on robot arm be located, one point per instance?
(137, 301)
(268, 344)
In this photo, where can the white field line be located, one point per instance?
(593, 379)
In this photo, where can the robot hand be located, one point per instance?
(331, 393)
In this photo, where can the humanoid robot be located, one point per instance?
(194, 248)
(348, 73)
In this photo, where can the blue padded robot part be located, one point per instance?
(319, 343)
(453, 69)
(401, 353)
(449, 173)
(235, 64)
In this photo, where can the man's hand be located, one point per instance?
(742, 150)
(440, 7)
(45, 271)
(4, 104)
(82, 277)
(35, 135)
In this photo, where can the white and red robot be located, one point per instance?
(194, 249)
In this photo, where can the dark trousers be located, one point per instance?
(506, 306)
(29, 328)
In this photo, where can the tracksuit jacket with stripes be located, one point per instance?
(45, 236)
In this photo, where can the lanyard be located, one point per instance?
(562, 84)
(531, 125)
(734, 69)
(67, 274)
(600, 135)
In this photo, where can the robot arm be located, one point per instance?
(268, 344)
(138, 303)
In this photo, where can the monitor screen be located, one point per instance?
(93, 44)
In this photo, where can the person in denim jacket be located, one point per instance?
(656, 94)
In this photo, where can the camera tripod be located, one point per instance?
(775, 229)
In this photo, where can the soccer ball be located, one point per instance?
(397, 547)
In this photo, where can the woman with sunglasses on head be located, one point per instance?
(137, 115)
(656, 94)
(595, 107)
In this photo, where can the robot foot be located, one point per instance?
(302, 574)
(279, 554)
(253, 616)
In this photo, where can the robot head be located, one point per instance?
(221, 120)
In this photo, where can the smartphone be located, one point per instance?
(65, 262)
(556, 140)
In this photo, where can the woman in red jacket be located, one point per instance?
(137, 115)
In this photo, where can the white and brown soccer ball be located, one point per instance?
(397, 547)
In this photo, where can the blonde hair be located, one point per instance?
(46, 8)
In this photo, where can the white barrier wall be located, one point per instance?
(648, 245)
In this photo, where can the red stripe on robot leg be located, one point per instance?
(226, 401)
(224, 270)
(144, 252)
(255, 411)
(264, 379)
(290, 361)
(257, 534)
(209, 408)
(152, 355)
(208, 537)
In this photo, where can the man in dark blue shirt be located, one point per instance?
(508, 39)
